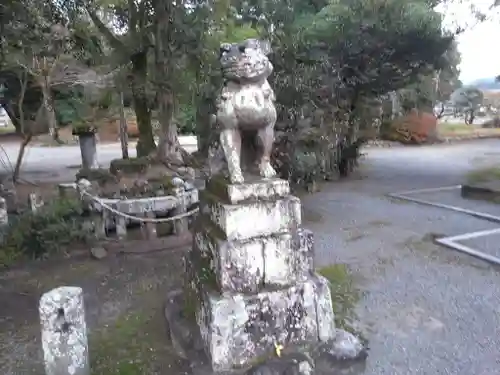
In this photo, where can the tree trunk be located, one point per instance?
(168, 145)
(205, 128)
(20, 156)
(146, 143)
(395, 104)
(123, 129)
(49, 108)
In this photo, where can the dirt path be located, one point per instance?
(124, 298)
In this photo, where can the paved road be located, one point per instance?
(425, 309)
(60, 163)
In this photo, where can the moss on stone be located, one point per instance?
(100, 175)
(344, 293)
(121, 348)
(162, 183)
(191, 301)
(130, 166)
(217, 185)
(206, 272)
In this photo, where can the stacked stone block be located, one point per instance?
(251, 273)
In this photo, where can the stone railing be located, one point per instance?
(117, 215)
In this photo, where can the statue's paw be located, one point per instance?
(267, 171)
(237, 178)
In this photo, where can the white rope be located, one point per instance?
(140, 219)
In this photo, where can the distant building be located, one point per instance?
(4, 118)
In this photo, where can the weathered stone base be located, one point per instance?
(251, 290)
(238, 329)
(343, 353)
(278, 260)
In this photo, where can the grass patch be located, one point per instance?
(345, 295)
(450, 129)
(454, 128)
(122, 348)
(485, 174)
(7, 130)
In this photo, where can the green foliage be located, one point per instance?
(66, 103)
(53, 228)
(186, 118)
(335, 62)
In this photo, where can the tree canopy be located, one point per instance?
(335, 58)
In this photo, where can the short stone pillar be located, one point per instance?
(88, 149)
(251, 281)
(64, 332)
(35, 202)
(4, 217)
(88, 146)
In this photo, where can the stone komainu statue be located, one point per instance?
(245, 111)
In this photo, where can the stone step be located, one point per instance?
(252, 219)
(247, 266)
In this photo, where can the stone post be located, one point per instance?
(88, 149)
(64, 332)
(34, 202)
(4, 217)
(180, 225)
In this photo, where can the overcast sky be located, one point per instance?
(480, 56)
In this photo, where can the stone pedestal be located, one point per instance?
(251, 284)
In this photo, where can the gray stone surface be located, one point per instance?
(4, 217)
(244, 106)
(34, 202)
(344, 346)
(341, 354)
(289, 364)
(250, 279)
(253, 189)
(88, 149)
(245, 266)
(98, 252)
(236, 328)
(253, 219)
(64, 332)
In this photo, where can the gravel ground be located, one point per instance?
(425, 309)
(453, 198)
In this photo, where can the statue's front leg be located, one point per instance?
(230, 140)
(266, 137)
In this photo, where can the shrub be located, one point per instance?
(51, 229)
